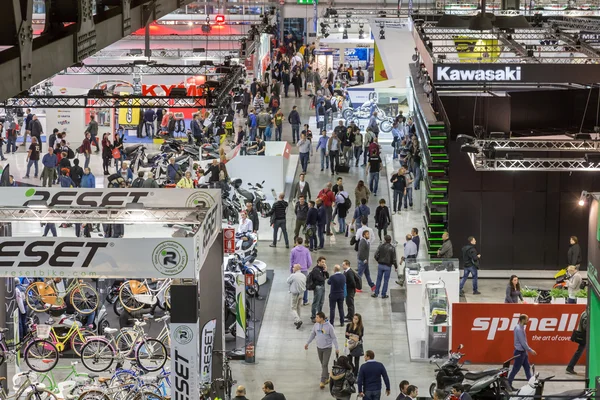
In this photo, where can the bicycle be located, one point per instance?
(39, 354)
(76, 335)
(72, 384)
(125, 385)
(134, 295)
(99, 353)
(33, 391)
(165, 334)
(227, 382)
(41, 296)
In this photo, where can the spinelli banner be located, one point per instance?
(97, 258)
(108, 198)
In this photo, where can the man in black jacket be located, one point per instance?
(353, 282)
(471, 264)
(278, 220)
(318, 275)
(311, 226)
(337, 281)
(294, 120)
(386, 258)
(76, 173)
(252, 216)
(301, 211)
(270, 393)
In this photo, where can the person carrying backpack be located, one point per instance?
(361, 211)
(139, 181)
(341, 379)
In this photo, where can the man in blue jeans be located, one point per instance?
(386, 257)
(369, 378)
(322, 145)
(373, 168)
(337, 281)
(318, 275)
(521, 350)
(304, 151)
(471, 259)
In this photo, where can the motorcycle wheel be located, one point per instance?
(385, 126)
(347, 113)
(253, 290)
(266, 208)
(118, 308)
(432, 388)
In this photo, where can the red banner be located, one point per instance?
(487, 331)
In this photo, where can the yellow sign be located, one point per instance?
(379, 68)
(129, 117)
(472, 49)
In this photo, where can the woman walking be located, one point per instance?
(118, 144)
(354, 336)
(342, 379)
(513, 290)
(382, 218)
(361, 192)
(106, 153)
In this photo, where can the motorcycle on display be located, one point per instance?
(451, 372)
(231, 305)
(490, 387)
(245, 244)
(260, 200)
(534, 389)
(365, 111)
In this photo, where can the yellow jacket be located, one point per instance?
(185, 183)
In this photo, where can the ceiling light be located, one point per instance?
(582, 198)
(345, 34)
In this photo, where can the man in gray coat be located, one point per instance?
(297, 285)
(446, 250)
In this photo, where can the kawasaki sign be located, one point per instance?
(484, 74)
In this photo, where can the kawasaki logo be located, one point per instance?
(566, 323)
(49, 253)
(491, 74)
(75, 198)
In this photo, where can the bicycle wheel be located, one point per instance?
(97, 355)
(151, 355)
(41, 395)
(118, 308)
(126, 343)
(84, 298)
(77, 342)
(39, 297)
(168, 298)
(166, 341)
(127, 293)
(147, 395)
(94, 395)
(41, 355)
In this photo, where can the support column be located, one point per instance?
(212, 324)
(7, 292)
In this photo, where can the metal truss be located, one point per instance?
(168, 54)
(133, 101)
(539, 145)
(147, 69)
(105, 215)
(483, 164)
(580, 24)
(195, 38)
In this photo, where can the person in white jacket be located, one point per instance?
(297, 284)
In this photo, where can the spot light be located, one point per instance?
(582, 198)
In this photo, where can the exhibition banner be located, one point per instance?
(471, 49)
(184, 361)
(109, 198)
(379, 68)
(206, 353)
(487, 331)
(60, 257)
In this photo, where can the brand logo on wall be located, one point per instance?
(566, 323)
(465, 74)
(183, 334)
(208, 339)
(200, 199)
(69, 198)
(50, 253)
(169, 258)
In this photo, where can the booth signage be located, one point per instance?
(488, 332)
(475, 72)
(69, 198)
(206, 354)
(228, 240)
(184, 361)
(97, 258)
(165, 90)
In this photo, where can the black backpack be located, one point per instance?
(347, 202)
(310, 283)
(138, 183)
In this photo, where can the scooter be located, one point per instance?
(260, 200)
(245, 244)
(534, 388)
(99, 324)
(491, 387)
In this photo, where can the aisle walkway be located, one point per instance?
(280, 349)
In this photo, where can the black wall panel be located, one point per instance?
(497, 212)
(529, 221)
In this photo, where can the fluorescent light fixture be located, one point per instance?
(37, 204)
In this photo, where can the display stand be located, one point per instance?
(418, 276)
(176, 258)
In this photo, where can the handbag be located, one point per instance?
(578, 337)
(116, 154)
(357, 351)
(353, 341)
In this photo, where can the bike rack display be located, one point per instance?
(176, 261)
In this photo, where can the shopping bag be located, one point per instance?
(116, 154)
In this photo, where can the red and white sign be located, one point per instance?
(229, 240)
(487, 331)
(287, 150)
(249, 279)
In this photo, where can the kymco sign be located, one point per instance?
(487, 331)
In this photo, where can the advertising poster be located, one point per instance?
(470, 49)
(488, 332)
(380, 74)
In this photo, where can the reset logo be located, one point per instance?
(51, 253)
(453, 74)
(70, 198)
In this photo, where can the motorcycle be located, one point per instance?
(231, 209)
(231, 305)
(534, 388)
(246, 248)
(160, 171)
(261, 205)
(490, 387)
(364, 112)
(451, 372)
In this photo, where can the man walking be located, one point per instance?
(302, 188)
(579, 337)
(353, 283)
(304, 146)
(36, 130)
(337, 281)
(301, 211)
(300, 255)
(86, 149)
(92, 129)
(294, 120)
(328, 198)
(399, 186)
(369, 378)
(269, 391)
(471, 264)
(324, 332)
(33, 157)
(318, 275)
(446, 250)
(521, 350)
(364, 246)
(386, 258)
(297, 285)
(278, 212)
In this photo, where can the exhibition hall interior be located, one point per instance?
(292, 199)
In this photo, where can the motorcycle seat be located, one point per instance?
(180, 158)
(569, 394)
(130, 149)
(246, 194)
(152, 156)
(473, 376)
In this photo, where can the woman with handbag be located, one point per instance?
(354, 343)
(107, 154)
(117, 152)
(342, 379)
